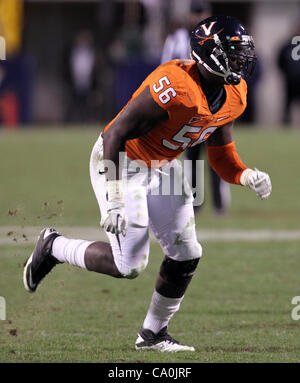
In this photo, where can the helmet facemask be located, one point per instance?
(241, 51)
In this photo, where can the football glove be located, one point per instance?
(258, 181)
(115, 221)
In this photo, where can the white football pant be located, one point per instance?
(150, 201)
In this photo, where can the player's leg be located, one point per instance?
(52, 248)
(94, 256)
(121, 257)
(172, 221)
(130, 253)
(99, 258)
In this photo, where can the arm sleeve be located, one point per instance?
(226, 162)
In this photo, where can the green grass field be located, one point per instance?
(238, 307)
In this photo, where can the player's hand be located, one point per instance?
(258, 181)
(115, 221)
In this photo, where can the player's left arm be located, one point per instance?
(225, 160)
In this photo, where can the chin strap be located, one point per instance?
(232, 78)
(229, 76)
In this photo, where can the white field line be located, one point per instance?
(16, 235)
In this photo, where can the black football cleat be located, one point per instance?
(41, 261)
(161, 341)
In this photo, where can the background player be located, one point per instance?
(180, 104)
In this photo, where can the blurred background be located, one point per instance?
(75, 62)
(70, 66)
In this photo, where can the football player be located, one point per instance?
(180, 104)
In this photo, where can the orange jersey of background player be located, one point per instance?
(175, 86)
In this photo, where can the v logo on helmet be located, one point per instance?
(207, 31)
(207, 38)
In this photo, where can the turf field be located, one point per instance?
(238, 307)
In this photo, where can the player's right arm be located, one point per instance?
(139, 117)
(226, 162)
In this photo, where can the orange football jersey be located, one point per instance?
(175, 87)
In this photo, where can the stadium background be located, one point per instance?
(239, 304)
(127, 40)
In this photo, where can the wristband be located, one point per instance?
(244, 176)
(114, 190)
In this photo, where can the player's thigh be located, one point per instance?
(173, 223)
(132, 251)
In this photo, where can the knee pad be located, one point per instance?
(194, 250)
(178, 271)
(187, 250)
